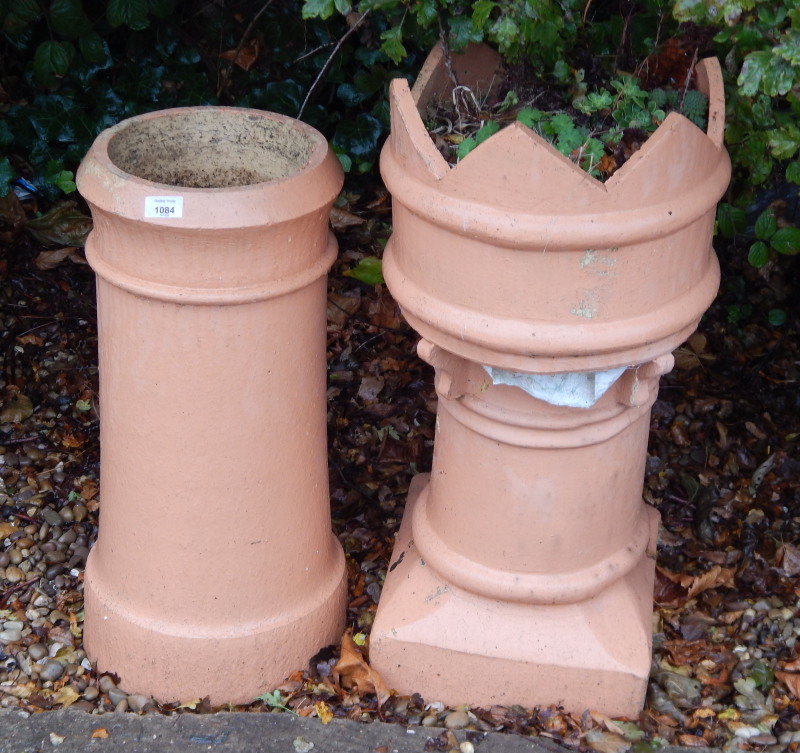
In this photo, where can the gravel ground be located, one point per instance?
(722, 471)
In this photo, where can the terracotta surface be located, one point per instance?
(216, 572)
(524, 569)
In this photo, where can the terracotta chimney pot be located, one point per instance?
(215, 573)
(549, 304)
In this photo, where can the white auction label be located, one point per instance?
(167, 207)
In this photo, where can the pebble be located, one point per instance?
(79, 512)
(37, 651)
(121, 707)
(10, 636)
(116, 696)
(456, 720)
(91, 693)
(138, 702)
(51, 516)
(431, 720)
(106, 683)
(52, 670)
(14, 574)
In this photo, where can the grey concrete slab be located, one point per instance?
(71, 732)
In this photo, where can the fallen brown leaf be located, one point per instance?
(99, 733)
(353, 671)
(789, 675)
(341, 219)
(51, 259)
(244, 57)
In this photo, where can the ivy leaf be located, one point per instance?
(62, 179)
(758, 255)
(766, 225)
(730, 220)
(462, 33)
(6, 137)
(368, 270)
(161, 8)
(52, 59)
(92, 48)
(132, 13)
(392, 45)
(359, 136)
(318, 9)
(26, 10)
(426, 12)
(7, 174)
(480, 13)
(68, 19)
(786, 241)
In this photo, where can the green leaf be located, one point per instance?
(368, 270)
(161, 8)
(561, 71)
(730, 220)
(273, 699)
(52, 59)
(530, 116)
(753, 70)
(789, 48)
(739, 313)
(784, 142)
(483, 133)
(359, 136)
(786, 241)
(344, 161)
(318, 9)
(506, 31)
(393, 44)
(68, 19)
(766, 225)
(132, 13)
(7, 174)
(6, 137)
(462, 33)
(776, 317)
(92, 48)
(480, 13)
(778, 78)
(26, 10)
(793, 172)
(762, 674)
(759, 254)
(65, 180)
